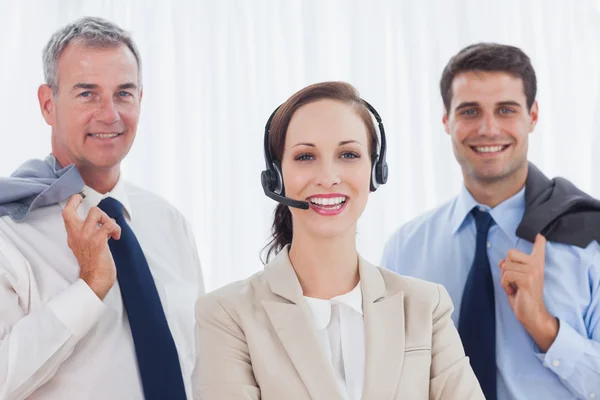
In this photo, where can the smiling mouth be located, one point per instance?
(490, 149)
(104, 135)
(328, 203)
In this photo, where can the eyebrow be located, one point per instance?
(129, 85)
(509, 103)
(342, 143)
(91, 86)
(86, 86)
(345, 142)
(476, 104)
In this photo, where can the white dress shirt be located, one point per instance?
(340, 330)
(58, 340)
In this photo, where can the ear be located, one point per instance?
(46, 99)
(445, 121)
(533, 113)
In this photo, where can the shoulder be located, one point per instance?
(566, 254)
(13, 264)
(417, 292)
(236, 298)
(588, 257)
(418, 233)
(136, 195)
(423, 223)
(145, 202)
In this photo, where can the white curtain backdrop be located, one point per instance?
(215, 69)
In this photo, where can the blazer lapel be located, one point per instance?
(291, 320)
(384, 335)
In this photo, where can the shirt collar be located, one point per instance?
(93, 198)
(321, 309)
(507, 215)
(463, 205)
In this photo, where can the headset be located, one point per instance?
(272, 179)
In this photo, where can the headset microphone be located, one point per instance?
(286, 201)
(272, 179)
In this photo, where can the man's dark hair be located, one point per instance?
(490, 57)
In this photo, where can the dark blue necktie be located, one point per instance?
(155, 349)
(477, 321)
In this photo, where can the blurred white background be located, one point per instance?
(214, 70)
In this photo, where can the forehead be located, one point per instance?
(82, 63)
(326, 122)
(484, 87)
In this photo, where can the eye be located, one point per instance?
(304, 157)
(349, 155)
(123, 93)
(85, 94)
(505, 110)
(469, 112)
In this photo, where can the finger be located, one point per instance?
(74, 202)
(514, 279)
(539, 247)
(509, 288)
(517, 267)
(72, 220)
(95, 220)
(515, 255)
(110, 229)
(117, 233)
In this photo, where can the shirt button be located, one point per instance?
(592, 395)
(489, 245)
(555, 363)
(482, 208)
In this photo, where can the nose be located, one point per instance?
(328, 175)
(107, 112)
(489, 126)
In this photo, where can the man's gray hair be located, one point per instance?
(89, 31)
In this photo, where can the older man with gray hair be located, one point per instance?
(98, 278)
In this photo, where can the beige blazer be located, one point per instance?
(256, 341)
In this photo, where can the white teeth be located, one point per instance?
(328, 201)
(105, 135)
(489, 149)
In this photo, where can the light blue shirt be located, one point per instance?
(440, 246)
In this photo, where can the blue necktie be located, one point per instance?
(477, 321)
(155, 349)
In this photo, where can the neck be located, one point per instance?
(491, 193)
(326, 267)
(102, 180)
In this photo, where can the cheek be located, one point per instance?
(461, 131)
(295, 178)
(74, 119)
(359, 178)
(130, 116)
(519, 130)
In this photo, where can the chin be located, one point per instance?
(493, 173)
(104, 162)
(331, 229)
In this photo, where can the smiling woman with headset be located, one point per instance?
(320, 322)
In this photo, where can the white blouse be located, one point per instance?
(340, 330)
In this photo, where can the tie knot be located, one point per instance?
(112, 207)
(483, 220)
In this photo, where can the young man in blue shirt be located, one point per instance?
(517, 252)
